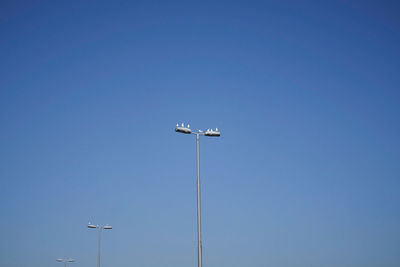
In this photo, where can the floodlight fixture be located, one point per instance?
(211, 132)
(91, 226)
(183, 129)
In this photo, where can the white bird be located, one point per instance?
(216, 129)
(177, 125)
(183, 125)
(188, 126)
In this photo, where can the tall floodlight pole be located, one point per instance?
(65, 261)
(99, 229)
(213, 133)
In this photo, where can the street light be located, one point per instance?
(99, 228)
(65, 261)
(211, 133)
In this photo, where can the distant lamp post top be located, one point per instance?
(187, 130)
(98, 226)
(65, 260)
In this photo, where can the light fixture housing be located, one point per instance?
(183, 129)
(213, 133)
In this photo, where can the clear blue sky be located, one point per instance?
(306, 95)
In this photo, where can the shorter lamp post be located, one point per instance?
(99, 228)
(65, 261)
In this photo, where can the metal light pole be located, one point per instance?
(65, 261)
(216, 133)
(99, 229)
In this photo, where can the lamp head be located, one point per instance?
(183, 129)
(214, 133)
(91, 226)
